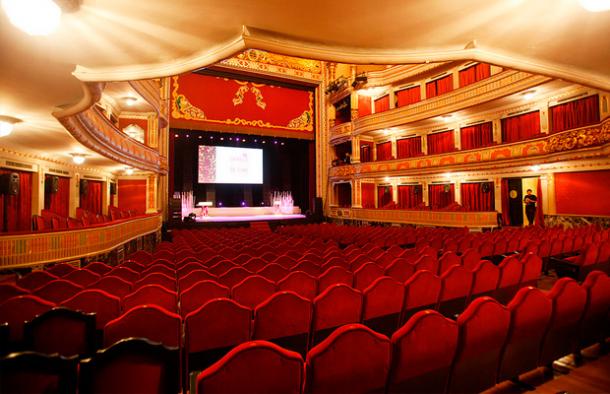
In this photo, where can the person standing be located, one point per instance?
(530, 201)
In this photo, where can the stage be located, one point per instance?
(248, 218)
(241, 216)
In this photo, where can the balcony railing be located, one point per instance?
(22, 250)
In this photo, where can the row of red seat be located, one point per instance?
(48, 220)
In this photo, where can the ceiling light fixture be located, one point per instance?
(528, 95)
(6, 125)
(595, 5)
(447, 118)
(371, 92)
(35, 17)
(535, 168)
(129, 171)
(130, 101)
(78, 158)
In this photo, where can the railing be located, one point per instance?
(562, 143)
(420, 217)
(22, 250)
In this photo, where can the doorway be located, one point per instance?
(515, 206)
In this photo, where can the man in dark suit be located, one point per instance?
(530, 201)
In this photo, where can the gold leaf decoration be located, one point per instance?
(303, 122)
(239, 95)
(187, 110)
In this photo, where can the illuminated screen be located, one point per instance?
(221, 164)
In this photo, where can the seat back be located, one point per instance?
(366, 274)
(9, 290)
(98, 268)
(422, 291)
(273, 272)
(233, 276)
(483, 328)
(188, 267)
(200, 293)
(252, 291)
(337, 305)
(301, 283)
(307, 266)
(159, 269)
(113, 285)
(17, 310)
(127, 274)
(153, 295)
(61, 269)
(156, 278)
(532, 269)
(603, 255)
(334, 275)
(382, 305)
(485, 279)
(353, 359)
(427, 262)
(530, 312)
(456, 284)
(422, 353)
(255, 264)
(62, 331)
(30, 372)
(597, 286)
(105, 306)
(147, 321)
(57, 290)
(511, 271)
(221, 267)
(470, 258)
(82, 277)
(133, 265)
(447, 260)
(35, 280)
(400, 269)
(131, 366)
(255, 367)
(193, 277)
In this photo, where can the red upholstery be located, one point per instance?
(252, 291)
(483, 329)
(255, 264)
(597, 286)
(274, 272)
(113, 285)
(200, 293)
(382, 304)
(285, 261)
(30, 372)
(447, 260)
(470, 258)
(353, 359)
(511, 271)
(334, 275)
(427, 262)
(530, 313)
(17, 310)
(233, 276)
(242, 259)
(269, 256)
(532, 269)
(105, 306)
(337, 305)
(158, 268)
(487, 248)
(308, 267)
(193, 277)
(154, 295)
(57, 290)
(400, 269)
(485, 279)
(187, 268)
(603, 255)
(254, 367)
(422, 353)
(98, 268)
(35, 279)
(124, 273)
(141, 256)
(9, 290)
(221, 267)
(569, 300)
(156, 278)
(145, 321)
(215, 327)
(61, 269)
(367, 274)
(301, 283)
(284, 318)
(82, 277)
(456, 284)
(132, 265)
(422, 291)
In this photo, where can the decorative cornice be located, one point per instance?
(150, 91)
(402, 74)
(29, 157)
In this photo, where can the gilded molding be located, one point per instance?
(272, 63)
(579, 138)
(150, 90)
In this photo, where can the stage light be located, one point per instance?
(35, 17)
(255, 140)
(595, 5)
(275, 142)
(264, 142)
(243, 203)
(211, 137)
(230, 138)
(243, 140)
(282, 143)
(176, 135)
(222, 138)
(220, 203)
(200, 137)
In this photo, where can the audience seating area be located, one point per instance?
(385, 308)
(49, 221)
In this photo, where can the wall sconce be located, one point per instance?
(6, 124)
(78, 158)
(129, 171)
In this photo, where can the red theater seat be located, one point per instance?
(9, 290)
(285, 261)
(422, 353)
(447, 260)
(105, 306)
(334, 275)
(485, 278)
(82, 277)
(127, 274)
(62, 331)
(255, 367)
(353, 359)
(382, 305)
(214, 329)
(400, 269)
(422, 291)
(113, 285)
(187, 268)
(35, 279)
(133, 265)
(426, 262)
(456, 284)
(61, 269)
(308, 267)
(470, 258)
(156, 278)
(30, 372)
(98, 268)
(337, 305)
(367, 274)
(131, 366)
(255, 264)
(301, 283)
(200, 293)
(194, 277)
(569, 300)
(511, 271)
(158, 268)
(57, 290)
(269, 256)
(273, 272)
(532, 269)
(597, 286)
(530, 312)
(242, 259)
(146, 321)
(221, 267)
(17, 310)
(252, 291)
(284, 319)
(153, 295)
(483, 328)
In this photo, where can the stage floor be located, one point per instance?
(247, 218)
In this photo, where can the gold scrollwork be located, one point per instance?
(579, 138)
(183, 108)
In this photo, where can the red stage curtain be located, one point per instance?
(366, 153)
(474, 73)
(438, 198)
(92, 201)
(476, 136)
(132, 195)
(521, 127)
(382, 104)
(384, 151)
(59, 202)
(368, 195)
(439, 86)
(575, 114)
(408, 96)
(539, 212)
(384, 196)
(17, 210)
(409, 196)
(441, 142)
(475, 199)
(505, 206)
(364, 105)
(408, 147)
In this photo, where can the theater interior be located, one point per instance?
(304, 197)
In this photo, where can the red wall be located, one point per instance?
(583, 193)
(132, 195)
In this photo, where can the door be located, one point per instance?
(515, 206)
